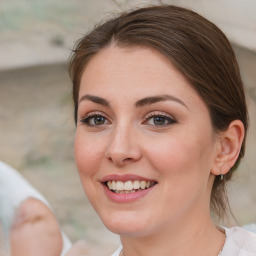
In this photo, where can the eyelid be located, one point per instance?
(92, 114)
(159, 113)
(169, 119)
(150, 115)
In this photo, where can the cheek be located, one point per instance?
(87, 154)
(88, 157)
(182, 158)
(172, 155)
(181, 164)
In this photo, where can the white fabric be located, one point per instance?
(117, 252)
(14, 189)
(239, 242)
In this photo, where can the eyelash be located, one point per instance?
(86, 120)
(91, 116)
(170, 120)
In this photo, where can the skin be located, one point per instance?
(182, 154)
(35, 230)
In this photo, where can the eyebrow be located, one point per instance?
(95, 99)
(155, 99)
(140, 103)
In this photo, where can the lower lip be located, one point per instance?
(126, 197)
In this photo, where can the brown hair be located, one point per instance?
(197, 48)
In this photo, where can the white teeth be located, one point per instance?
(124, 191)
(113, 185)
(136, 184)
(128, 186)
(119, 185)
(109, 184)
(143, 184)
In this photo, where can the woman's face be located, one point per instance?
(144, 143)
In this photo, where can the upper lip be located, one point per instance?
(125, 177)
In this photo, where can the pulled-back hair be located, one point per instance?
(195, 46)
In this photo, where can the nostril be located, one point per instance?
(127, 159)
(120, 161)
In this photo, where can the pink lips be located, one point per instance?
(124, 197)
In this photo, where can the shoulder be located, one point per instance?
(117, 252)
(239, 242)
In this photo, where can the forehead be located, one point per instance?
(133, 72)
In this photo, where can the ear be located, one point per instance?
(228, 148)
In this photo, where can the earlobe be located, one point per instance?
(229, 145)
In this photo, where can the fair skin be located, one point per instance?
(35, 230)
(140, 120)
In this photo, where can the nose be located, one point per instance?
(123, 147)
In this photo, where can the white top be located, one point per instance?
(239, 242)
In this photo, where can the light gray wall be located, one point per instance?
(237, 18)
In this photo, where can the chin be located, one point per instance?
(126, 223)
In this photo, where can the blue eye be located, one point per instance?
(95, 120)
(160, 120)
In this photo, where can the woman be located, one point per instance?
(161, 125)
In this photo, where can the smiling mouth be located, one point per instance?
(129, 186)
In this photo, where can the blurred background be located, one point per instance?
(36, 115)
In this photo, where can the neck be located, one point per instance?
(196, 236)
